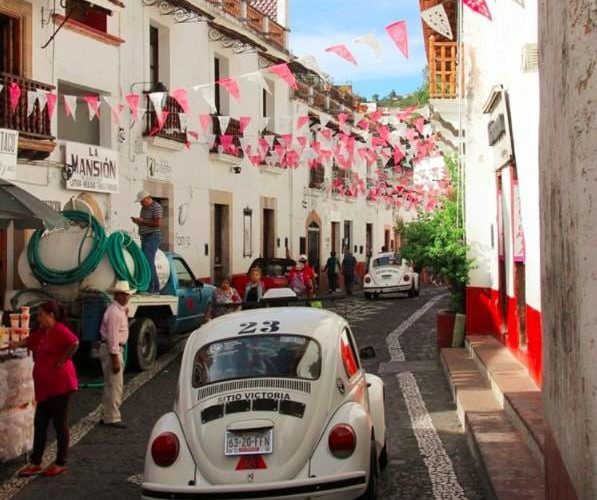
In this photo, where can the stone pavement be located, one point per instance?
(428, 456)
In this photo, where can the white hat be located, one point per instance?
(303, 257)
(141, 195)
(122, 287)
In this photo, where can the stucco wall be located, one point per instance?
(568, 185)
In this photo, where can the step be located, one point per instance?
(513, 388)
(510, 471)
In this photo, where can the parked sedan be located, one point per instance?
(388, 273)
(274, 273)
(272, 403)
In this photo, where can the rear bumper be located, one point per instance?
(387, 289)
(340, 486)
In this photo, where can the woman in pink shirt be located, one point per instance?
(55, 379)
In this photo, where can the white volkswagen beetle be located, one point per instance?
(272, 403)
(388, 273)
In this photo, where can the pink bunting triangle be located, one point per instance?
(301, 121)
(133, 103)
(180, 96)
(419, 123)
(51, 104)
(398, 33)
(93, 103)
(161, 118)
(343, 52)
(479, 6)
(231, 86)
(244, 123)
(283, 71)
(342, 117)
(376, 116)
(398, 156)
(116, 112)
(14, 94)
(205, 121)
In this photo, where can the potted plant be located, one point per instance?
(436, 240)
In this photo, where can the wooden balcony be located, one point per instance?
(317, 177)
(171, 129)
(36, 141)
(443, 63)
(254, 19)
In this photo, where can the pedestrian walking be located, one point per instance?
(224, 298)
(349, 266)
(55, 379)
(114, 332)
(150, 222)
(332, 267)
(255, 288)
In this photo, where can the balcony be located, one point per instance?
(233, 130)
(443, 64)
(171, 129)
(317, 177)
(36, 141)
(254, 19)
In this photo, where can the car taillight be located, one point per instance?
(367, 279)
(342, 441)
(406, 277)
(165, 448)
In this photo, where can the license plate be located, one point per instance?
(249, 442)
(386, 276)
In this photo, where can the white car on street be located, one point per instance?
(272, 403)
(388, 273)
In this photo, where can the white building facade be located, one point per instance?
(221, 212)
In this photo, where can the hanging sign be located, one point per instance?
(93, 168)
(9, 145)
(498, 127)
(159, 169)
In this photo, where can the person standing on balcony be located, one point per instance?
(150, 222)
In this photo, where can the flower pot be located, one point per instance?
(445, 327)
(458, 334)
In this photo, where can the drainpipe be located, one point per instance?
(460, 76)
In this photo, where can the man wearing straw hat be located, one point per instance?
(114, 332)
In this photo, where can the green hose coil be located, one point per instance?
(85, 268)
(117, 243)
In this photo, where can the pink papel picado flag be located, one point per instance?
(478, 6)
(283, 72)
(343, 52)
(14, 94)
(419, 124)
(301, 121)
(51, 100)
(243, 123)
(231, 86)
(161, 118)
(116, 112)
(180, 96)
(398, 33)
(205, 121)
(133, 102)
(93, 104)
(70, 105)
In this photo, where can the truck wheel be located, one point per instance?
(143, 343)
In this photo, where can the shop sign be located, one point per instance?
(517, 229)
(9, 145)
(498, 127)
(92, 168)
(158, 169)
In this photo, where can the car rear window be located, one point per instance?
(386, 260)
(288, 356)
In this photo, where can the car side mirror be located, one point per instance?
(367, 353)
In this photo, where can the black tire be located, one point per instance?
(376, 296)
(143, 344)
(367, 295)
(383, 457)
(371, 491)
(418, 290)
(412, 291)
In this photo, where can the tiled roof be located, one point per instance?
(268, 7)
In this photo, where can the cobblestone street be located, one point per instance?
(428, 456)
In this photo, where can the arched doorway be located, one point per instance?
(314, 245)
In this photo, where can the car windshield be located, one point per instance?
(289, 356)
(386, 260)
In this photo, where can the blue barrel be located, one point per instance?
(92, 312)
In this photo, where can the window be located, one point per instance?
(349, 356)
(183, 274)
(81, 129)
(288, 356)
(90, 15)
(387, 260)
(267, 103)
(221, 98)
(154, 55)
(10, 45)
(317, 176)
(347, 234)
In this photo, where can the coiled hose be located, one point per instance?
(86, 266)
(117, 243)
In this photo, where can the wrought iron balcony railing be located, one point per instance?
(171, 128)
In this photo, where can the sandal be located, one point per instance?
(54, 470)
(30, 470)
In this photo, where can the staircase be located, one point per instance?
(501, 410)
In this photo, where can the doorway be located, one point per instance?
(314, 245)
(221, 225)
(336, 237)
(369, 238)
(269, 233)
(10, 45)
(502, 270)
(387, 240)
(347, 246)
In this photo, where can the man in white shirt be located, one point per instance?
(114, 332)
